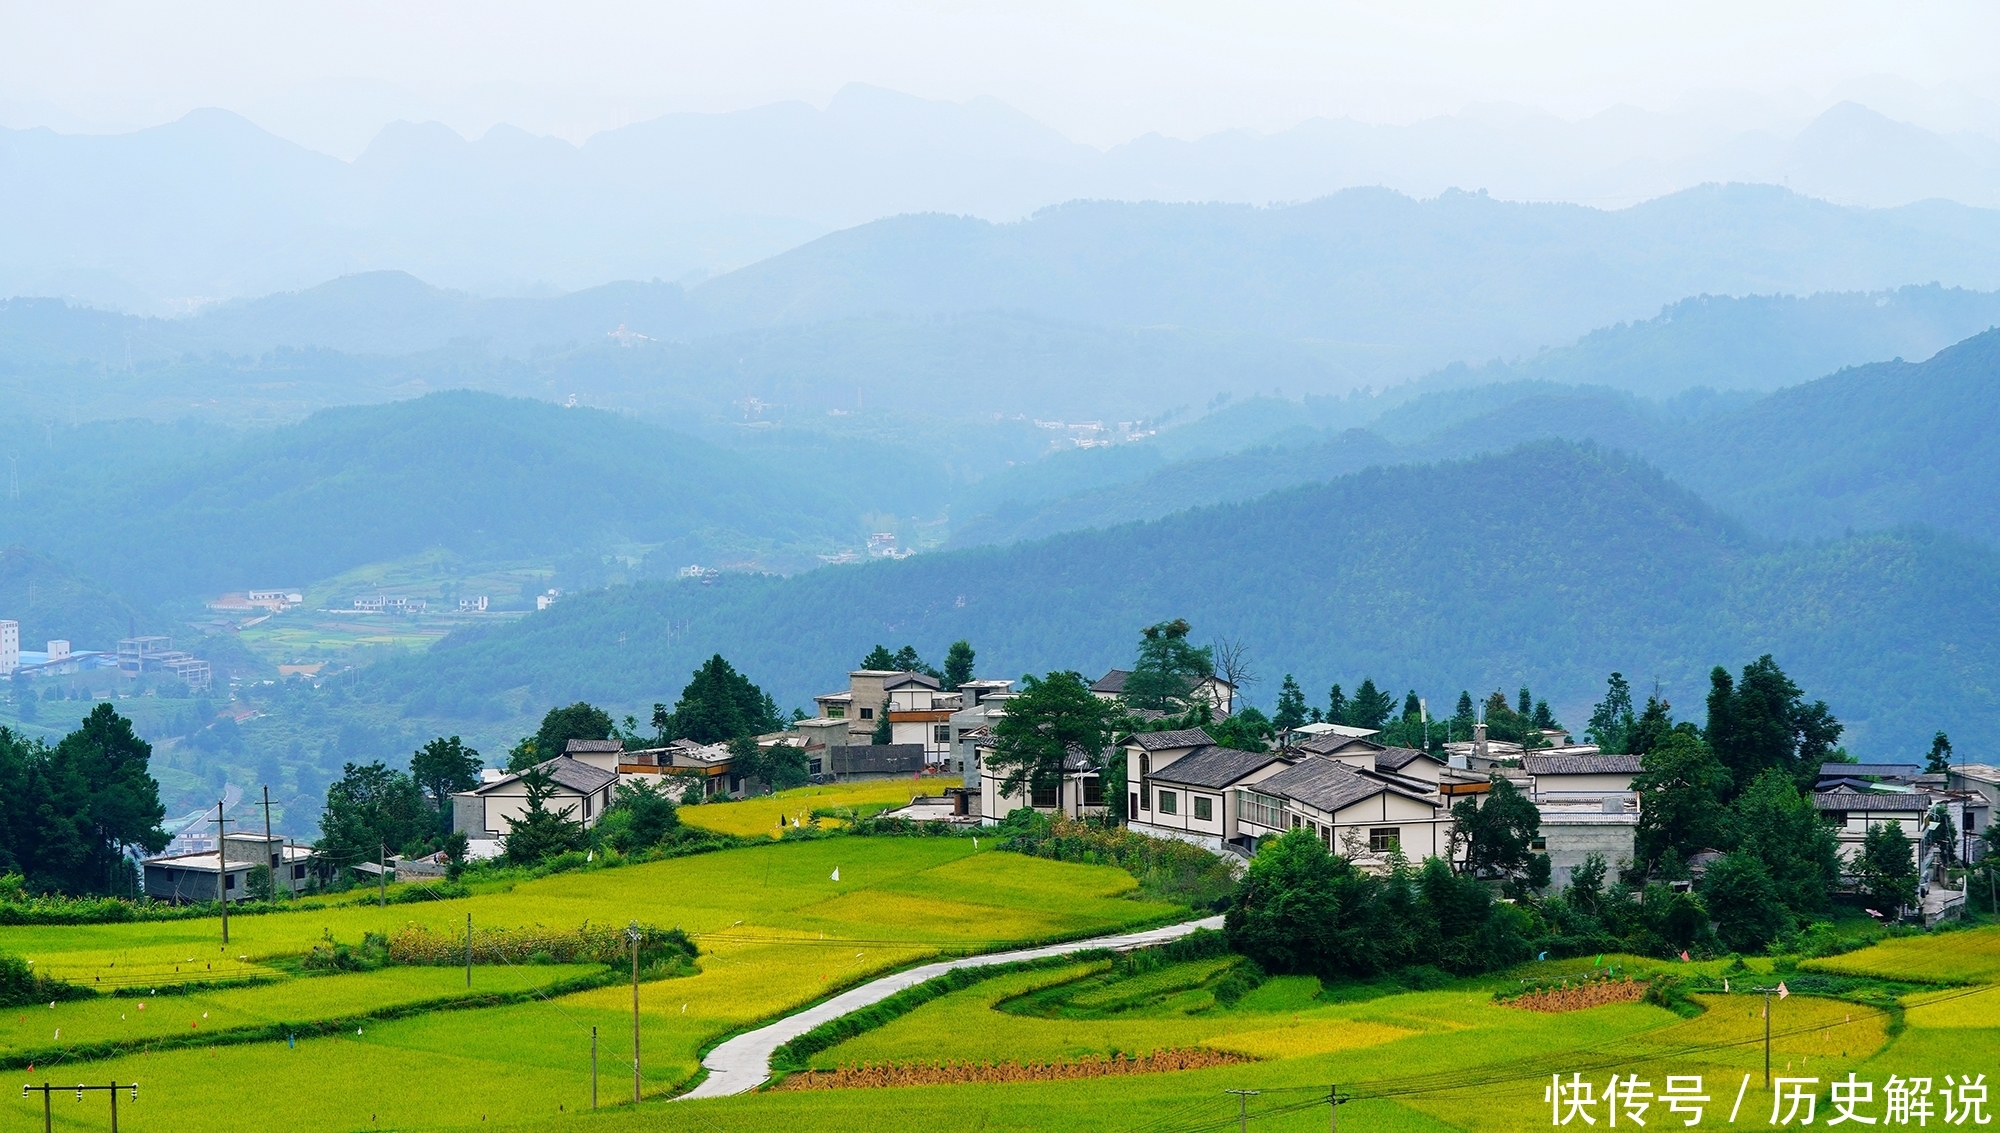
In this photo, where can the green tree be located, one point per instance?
(1653, 724)
(641, 817)
(1168, 670)
(540, 833)
(1886, 870)
(1943, 833)
(1744, 902)
(1370, 707)
(121, 808)
(958, 664)
(1303, 910)
(1782, 829)
(443, 767)
(1681, 787)
(1291, 706)
(1463, 717)
(880, 660)
(1939, 762)
(1612, 719)
(1049, 719)
(579, 721)
(1503, 723)
(1248, 730)
(719, 704)
(1499, 833)
(778, 766)
(1763, 721)
(369, 807)
(1543, 717)
(1525, 707)
(1337, 707)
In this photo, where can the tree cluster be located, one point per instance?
(1301, 909)
(70, 814)
(717, 705)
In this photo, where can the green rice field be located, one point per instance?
(776, 932)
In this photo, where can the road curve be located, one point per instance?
(743, 1063)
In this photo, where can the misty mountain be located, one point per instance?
(1362, 288)
(1550, 566)
(1868, 447)
(489, 479)
(213, 206)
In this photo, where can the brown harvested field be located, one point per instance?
(876, 1075)
(1590, 993)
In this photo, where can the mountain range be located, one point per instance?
(212, 206)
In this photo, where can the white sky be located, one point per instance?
(1101, 71)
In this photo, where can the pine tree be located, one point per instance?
(880, 660)
(1463, 717)
(1526, 707)
(1371, 707)
(1413, 706)
(1168, 669)
(1940, 760)
(1611, 720)
(1336, 707)
(958, 665)
(1291, 706)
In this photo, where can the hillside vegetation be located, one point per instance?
(1550, 565)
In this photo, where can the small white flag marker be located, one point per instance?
(1783, 991)
(836, 873)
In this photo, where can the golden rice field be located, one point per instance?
(775, 931)
(1971, 956)
(762, 815)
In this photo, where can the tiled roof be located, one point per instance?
(1397, 758)
(1868, 770)
(1327, 784)
(593, 746)
(1580, 764)
(1163, 741)
(1111, 683)
(904, 680)
(1215, 767)
(1871, 800)
(564, 771)
(1332, 742)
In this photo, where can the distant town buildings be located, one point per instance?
(10, 647)
(472, 605)
(155, 654)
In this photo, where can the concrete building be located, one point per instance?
(1563, 776)
(10, 647)
(192, 877)
(1574, 829)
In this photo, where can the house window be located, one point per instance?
(1538, 843)
(298, 873)
(1204, 808)
(1093, 791)
(836, 712)
(1043, 798)
(1145, 764)
(1260, 809)
(1133, 800)
(1385, 839)
(941, 734)
(587, 801)
(229, 882)
(1169, 803)
(867, 713)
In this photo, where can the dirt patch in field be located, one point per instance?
(1587, 994)
(875, 1075)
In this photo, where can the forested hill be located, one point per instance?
(489, 478)
(1550, 565)
(1869, 447)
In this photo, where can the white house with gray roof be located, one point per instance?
(1194, 797)
(1358, 814)
(483, 813)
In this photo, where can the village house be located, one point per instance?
(1217, 693)
(1361, 815)
(1562, 775)
(920, 713)
(582, 788)
(1193, 794)
(1080, 793)
(193, 877)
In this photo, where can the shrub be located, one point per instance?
(1166, 868)
(586, 944)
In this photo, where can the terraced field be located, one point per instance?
(775, 931)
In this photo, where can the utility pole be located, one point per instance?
(382, 878)
(632, 934)
(593, 1068)
(222, 866)
(1781, 991)
(48, 1123)
(1333, 1100)
(273, 895)
(1243, 1107)
(468, 978)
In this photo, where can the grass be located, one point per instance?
(1968, 956)
(749, 817)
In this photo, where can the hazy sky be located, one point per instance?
(1101, 71)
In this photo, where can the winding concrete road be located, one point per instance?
(743, 1063)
